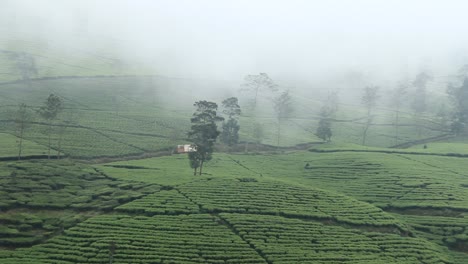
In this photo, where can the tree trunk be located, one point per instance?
(278, 133)
(364, 134)
(397, 117)
(201, 167)
(195, 171)
(369, 120)
(246, 146)
(256, 93)
(419, 128)
(59, 145)
(50, 131)
(20, 141)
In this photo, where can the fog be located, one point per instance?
(299, 43)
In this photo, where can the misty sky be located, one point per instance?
(290, 40)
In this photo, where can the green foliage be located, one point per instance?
(285, 240)
(271, 198)
(41, 198)
(230, 133)
(256, 208)
(324, 131)
(231, 107)
(203, 133)
(51, 108)
(49, 111)
(459, 97)
(9, 145)
(163, 202)
(283, 105)
(196, 238)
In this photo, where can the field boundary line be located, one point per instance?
(452, 155)
(237, 233)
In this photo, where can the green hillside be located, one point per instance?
(344, 207)
(122, 116)
(119, 193)
(38, 58)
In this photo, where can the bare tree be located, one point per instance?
(23, 118)
(25, 64)
(258, 134)
(283, 109)
(70, 118)
(369, 100)
(396, 102)
(49, 111)
(257, 83)
(419, 104)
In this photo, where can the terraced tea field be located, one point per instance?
(132, 115)
(39, 199)
(284, 240)
(9, 147)
(390, 188)
(245, 214)
(340, 203)
(426, 195)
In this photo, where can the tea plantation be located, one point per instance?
(119, 195)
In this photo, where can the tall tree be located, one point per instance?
(69, 119)
(397, 99)
(23, 117)
(283, 108)
(419, 104)
(258, 134)
(203, 133)
(459, 99)
(25, 64)
(230, 134)
(49, 111)
(257, 83)
(369, 100)
(324, 131)
(332, 102)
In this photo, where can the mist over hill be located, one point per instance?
(233, 131)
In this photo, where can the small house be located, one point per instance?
(186, 148)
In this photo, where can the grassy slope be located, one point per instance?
(9, 146)
(40, 199)
(237, 213)
(133, 115)
(427, 188)
(245, 209)
(53, 60)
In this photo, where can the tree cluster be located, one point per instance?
(459, 98)
(230, 134)
(203, 133)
